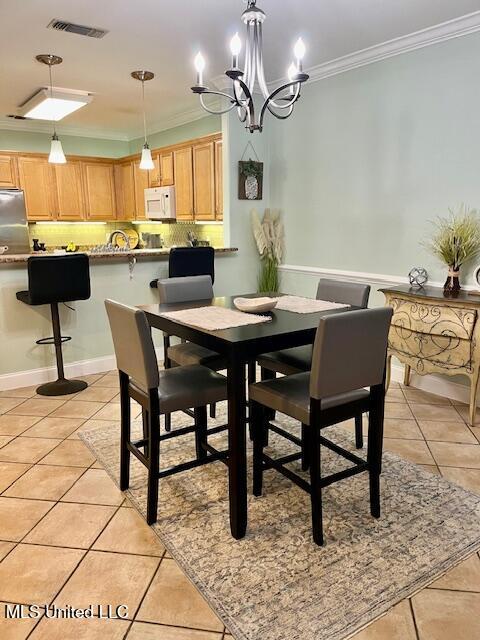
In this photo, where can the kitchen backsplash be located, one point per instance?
(86, 235)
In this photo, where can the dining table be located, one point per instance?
(239, 345)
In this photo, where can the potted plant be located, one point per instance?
(455, 241)
(269, 236)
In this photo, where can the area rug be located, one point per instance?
(276, 584)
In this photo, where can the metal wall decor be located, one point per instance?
(279, 102)
(417, 277)
(250, 176)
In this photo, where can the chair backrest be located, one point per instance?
(353, 293)
(172, 290)
(132, 340)
(58, 278)
(191, 261)
(349, 351)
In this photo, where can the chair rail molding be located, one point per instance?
(357, 276)
(455, 28)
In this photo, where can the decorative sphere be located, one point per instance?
(418, 276)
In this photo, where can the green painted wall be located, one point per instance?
(76, 145)
(195, 129)
(371, 156)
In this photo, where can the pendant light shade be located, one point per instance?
(146, 161)
(56, 151)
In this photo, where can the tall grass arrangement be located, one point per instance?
(269, 237)
(457, 237)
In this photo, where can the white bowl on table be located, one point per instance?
(255, 305)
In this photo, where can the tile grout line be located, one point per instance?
(415, 626)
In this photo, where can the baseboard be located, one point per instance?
(439, 385)
(72, 370)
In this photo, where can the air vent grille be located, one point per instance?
(80, 29)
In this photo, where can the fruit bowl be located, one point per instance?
(255, 305)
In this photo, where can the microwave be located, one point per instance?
(160, 203)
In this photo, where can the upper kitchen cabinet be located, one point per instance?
(183, 170)
(70, 203)
(218, 180)
(162, 175)
(125, 190)
(8, 172)
(141, 179)
(204, 181)
(99, 184)
(38, 183)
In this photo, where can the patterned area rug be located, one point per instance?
(275, 584)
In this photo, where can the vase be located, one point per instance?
(452, 283)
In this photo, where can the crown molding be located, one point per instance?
(39, 127)
(456, 28)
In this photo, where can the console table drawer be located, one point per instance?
(433, 319)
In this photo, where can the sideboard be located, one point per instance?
(431, 333)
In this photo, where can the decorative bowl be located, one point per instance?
(255, 305)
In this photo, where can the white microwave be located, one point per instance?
(160, 203)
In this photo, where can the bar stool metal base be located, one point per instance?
(61, 387)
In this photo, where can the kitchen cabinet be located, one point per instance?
(8, 171)
(183, 170)
(38, 183)
(204, 181)
(125, 191)
(141, 179)
(162, 175)
(218, 180)
(70, 203)
(98, 178)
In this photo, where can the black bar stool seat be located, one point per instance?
(54, 279)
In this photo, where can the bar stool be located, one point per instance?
(158, 392)
(289, 361)
(54, 279)
(349, 355)
(188, 289)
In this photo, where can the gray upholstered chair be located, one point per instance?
(188, 289)
(158, 392)
(289, 361)
(347, 378)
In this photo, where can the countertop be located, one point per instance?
(9, 258)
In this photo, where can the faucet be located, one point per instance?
(122, 233)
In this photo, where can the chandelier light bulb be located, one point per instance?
(199, 62)
(299, 49)
(235, 45)
(292, 71)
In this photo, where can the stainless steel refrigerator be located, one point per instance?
(13, 221)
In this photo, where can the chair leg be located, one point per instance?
(305, 447)
(124, 432)
(259, 428)
(359, 431)
(168, 422)
(153, 463)
(252, 373)
(315, 488)
(213, 410)
(266, 374)
(145, 430)
(200, 432)
(375, 446)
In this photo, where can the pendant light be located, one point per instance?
(56, 155)
(146, 161)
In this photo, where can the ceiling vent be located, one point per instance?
(80, 29)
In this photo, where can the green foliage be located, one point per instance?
(457, 237)
(251, 168)
(268, 279)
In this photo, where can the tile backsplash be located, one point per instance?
(86, 235)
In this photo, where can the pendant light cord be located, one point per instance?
(51, 98)
(144, 116)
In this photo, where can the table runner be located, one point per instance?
(214, 318)
(297, 304)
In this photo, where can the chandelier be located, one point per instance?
(280, 102)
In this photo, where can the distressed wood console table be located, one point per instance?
(431, 333)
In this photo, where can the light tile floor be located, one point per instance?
(68, 536)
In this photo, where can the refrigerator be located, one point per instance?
(13, 222)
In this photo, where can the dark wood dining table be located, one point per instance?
(240, 345)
